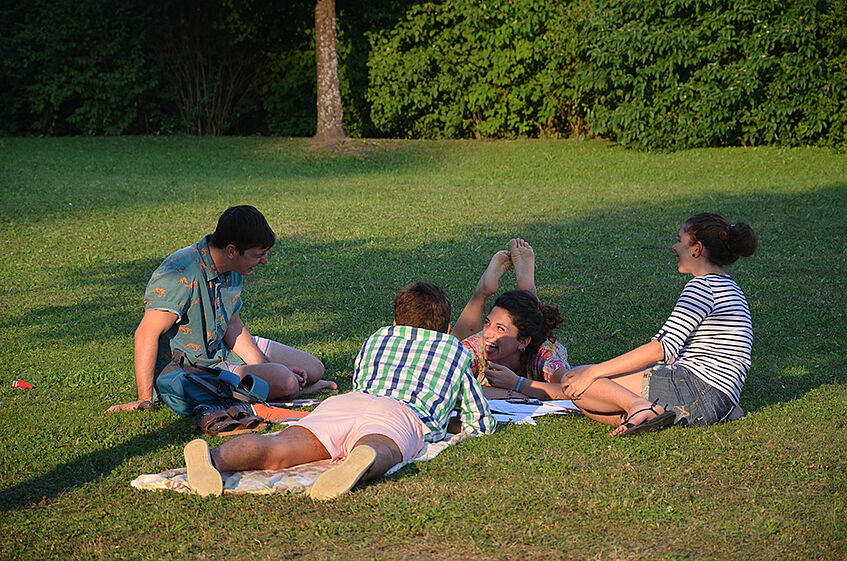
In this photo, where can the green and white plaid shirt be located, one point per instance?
(427, 370)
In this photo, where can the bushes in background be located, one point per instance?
(664, 75)
(499, 68)
(680, 73)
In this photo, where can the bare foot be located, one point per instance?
(319, 386)
(640, 415)
(489, 283)
(523, 258)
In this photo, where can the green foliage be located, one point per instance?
(79, 67)
(681, 73)
(502, 68)
(663, 75)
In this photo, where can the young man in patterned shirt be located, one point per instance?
(193, 303)
(408, 379)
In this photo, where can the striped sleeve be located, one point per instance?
(694, 304)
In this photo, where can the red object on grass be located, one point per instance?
(21, 385)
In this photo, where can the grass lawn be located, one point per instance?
(83, 223)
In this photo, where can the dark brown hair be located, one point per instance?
(724, 242)
(533, 319)
(244, 227)
(424, 305)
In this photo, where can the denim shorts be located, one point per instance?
(679, 390)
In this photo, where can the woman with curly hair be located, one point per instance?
(515, 350)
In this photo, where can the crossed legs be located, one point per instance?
(289, 372)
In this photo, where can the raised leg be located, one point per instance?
(470, 320)
(284, 384)
(282, 371)
(523, 258)
(296, 358)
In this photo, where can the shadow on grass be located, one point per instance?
(44, 177)
(611, 273)
(88, 468)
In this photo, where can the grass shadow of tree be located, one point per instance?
(79, 175)
(610, 271)
(88, 467)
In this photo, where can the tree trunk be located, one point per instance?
(329, 94)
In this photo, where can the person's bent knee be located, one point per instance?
(288, 385)
(315, 370)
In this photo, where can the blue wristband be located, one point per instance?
(518, 387)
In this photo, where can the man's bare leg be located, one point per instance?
(281, 372)
(293, 446)
(296, 358)
(283, 383)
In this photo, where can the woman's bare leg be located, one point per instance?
(523, 258)
(611, 400)
(470, 320)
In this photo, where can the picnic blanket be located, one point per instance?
(298, 479)
(293, 480)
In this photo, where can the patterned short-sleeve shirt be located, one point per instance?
(188, 285)
(551, 356)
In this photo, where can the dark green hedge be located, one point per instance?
(663, 75)
(681, 73)
(500, 68)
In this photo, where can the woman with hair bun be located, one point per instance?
(692, 371)
(515, 350)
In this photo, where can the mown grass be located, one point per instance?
(83, 222)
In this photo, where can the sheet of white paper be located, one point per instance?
(516, 419)
(563, 403)
(506, 407)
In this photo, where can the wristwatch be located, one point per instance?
(147, 405)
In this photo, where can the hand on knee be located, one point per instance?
(289, 385)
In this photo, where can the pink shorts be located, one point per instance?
(340, 421)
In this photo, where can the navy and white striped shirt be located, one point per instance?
(710, 333)
(427, 370)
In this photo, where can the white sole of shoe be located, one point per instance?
(203, 478)
(339, 480)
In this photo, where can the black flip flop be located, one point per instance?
(666, 419)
